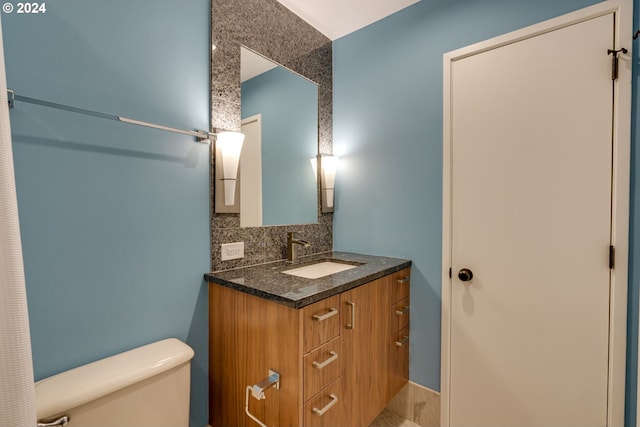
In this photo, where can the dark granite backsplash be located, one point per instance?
(267, 27)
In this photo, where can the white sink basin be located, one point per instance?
(321, 269)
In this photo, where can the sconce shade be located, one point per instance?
(229, 192)
(230, 146)
(329, 167)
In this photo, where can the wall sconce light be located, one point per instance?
(328, 167)
(227, 192)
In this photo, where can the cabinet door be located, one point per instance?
(365, 337)
(248, 337)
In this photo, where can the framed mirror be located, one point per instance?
(279, 112)
(269, 28)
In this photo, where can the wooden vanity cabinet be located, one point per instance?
(365, 337)
(338, 361)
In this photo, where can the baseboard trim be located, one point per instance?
(417, 403)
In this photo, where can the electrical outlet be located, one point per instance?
(232, 251)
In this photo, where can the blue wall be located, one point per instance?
(388, 132)
(114, 218)
(288, 104)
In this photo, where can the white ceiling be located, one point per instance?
(337, 18)
(253, 64)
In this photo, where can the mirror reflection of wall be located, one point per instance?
(280, 121)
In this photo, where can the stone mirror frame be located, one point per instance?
(267, 27)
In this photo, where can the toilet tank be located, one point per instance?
(146, 386)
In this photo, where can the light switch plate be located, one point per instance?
(232, 251)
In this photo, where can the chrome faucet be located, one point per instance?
(292, 246)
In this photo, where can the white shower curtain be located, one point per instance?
(17, 395)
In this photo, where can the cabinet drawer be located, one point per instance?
(398, 362)
(400, 315)
(401, 284)
(327, 408)
(321, 322)
(321, 367)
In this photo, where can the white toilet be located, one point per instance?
(146, 386)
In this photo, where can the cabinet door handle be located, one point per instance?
(403, 311)
(402, 281)
(332, 312)
(321, 412)
(403, 342)
(352, 325)
(321, 365)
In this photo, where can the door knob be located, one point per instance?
(465, 275)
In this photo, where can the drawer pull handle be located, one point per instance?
(332, 312)
(322, 365)
(403, 311)
(402, 281)
(321, 412)
(403, 342)
(352, 325)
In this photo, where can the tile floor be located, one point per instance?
(390, 419)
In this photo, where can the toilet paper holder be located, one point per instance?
(257, 391)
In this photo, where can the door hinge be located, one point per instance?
(614, 61)
(449, 272)
(612, 257)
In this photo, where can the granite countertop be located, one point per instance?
(267, 280)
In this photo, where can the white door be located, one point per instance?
(531, 179)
